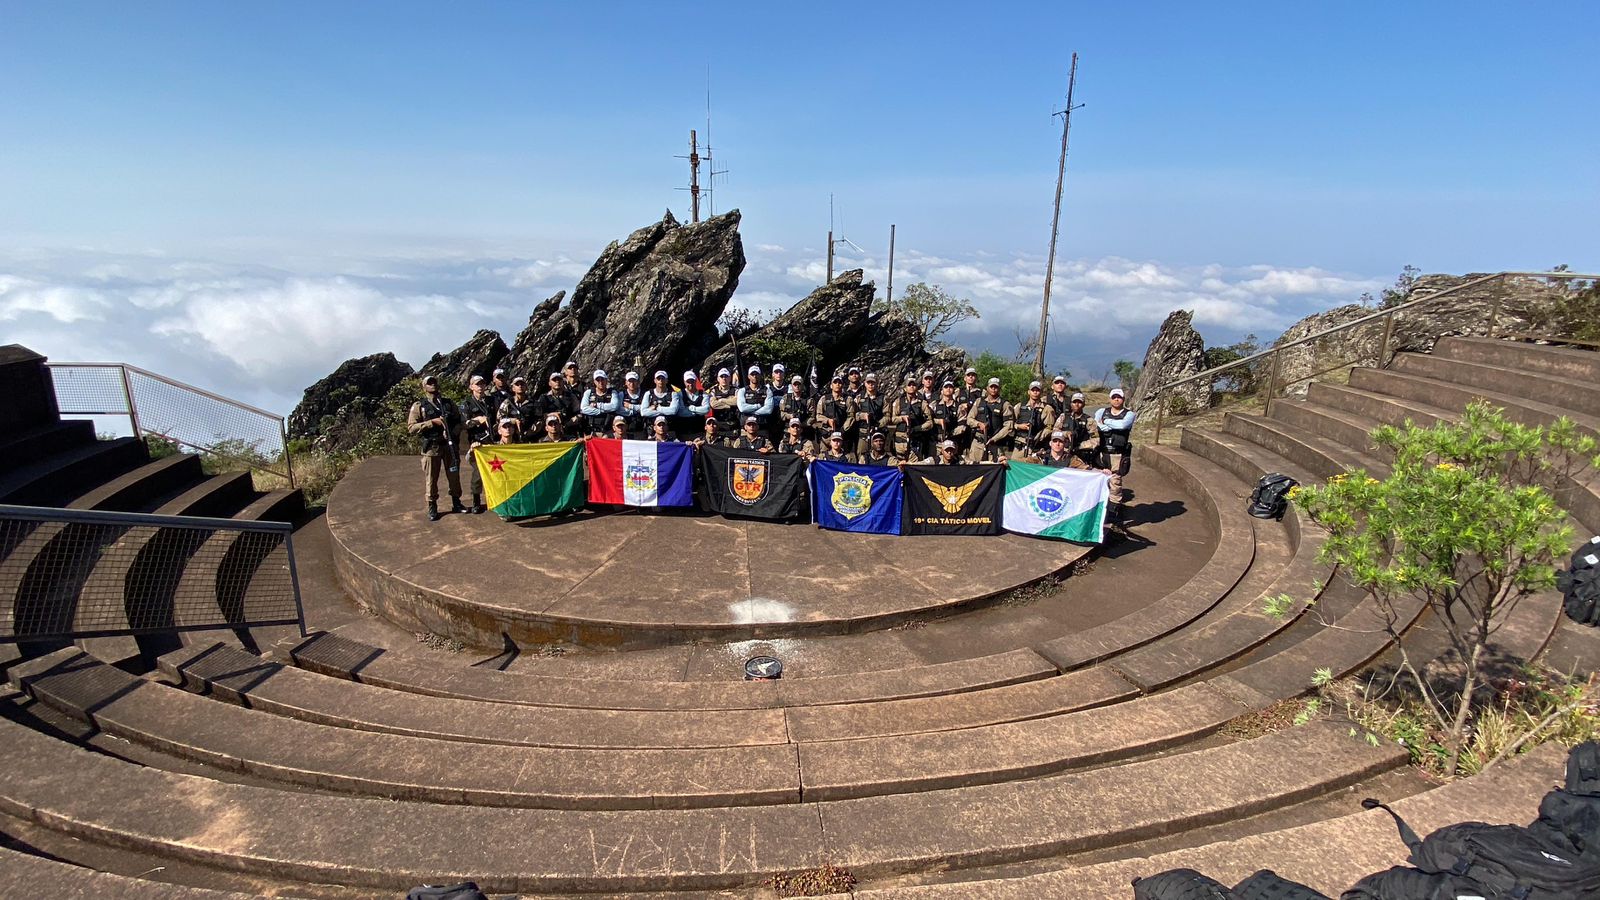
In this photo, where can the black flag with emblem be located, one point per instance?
(953, 499)
(745, 483)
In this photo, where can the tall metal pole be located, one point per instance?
(830, 256)
(694, 178)
(888, 293)
(1055, 223)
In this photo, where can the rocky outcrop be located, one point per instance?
(1177, 352)
(478, 356)
(1300, 363)
(651, 300)
(892, 347)
(349, 396)
(830, 317)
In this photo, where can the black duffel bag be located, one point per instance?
(466, 890)
(1270, 499)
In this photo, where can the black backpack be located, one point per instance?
(1473, 859)
(1187, 884)
(1271, 496)
(1580, 585)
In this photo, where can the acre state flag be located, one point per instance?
(952, 499)
(1061, 503)
(640, 473)
(745, 483)
(522, 480)
(847, 497)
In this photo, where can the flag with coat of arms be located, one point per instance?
(1069, 504)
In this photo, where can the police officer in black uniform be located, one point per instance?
(478, 413)
(871, 410)
(796, 407)
(752, 438)
(521, 407)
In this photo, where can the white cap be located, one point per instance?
(971, 371)
(499, 371)
(691, 375)
(797, 380)
(779, 367)
(519, 380)
(722, 372)
(631, 376)
(1059, 379)
(477, 379)
(1058, 435)
(1117, 392)
(570, 365)
(1034, 384)
(600, 375)
(911, 377)
(994, 382)
(553, 417)
(661, 375)
(753, 370)
(623, 420)
(796, 423)
(927, 373)
(948, 445)
(871, 376)
(1077, 396)
(557, 375)
(750, 420)
(836, 436)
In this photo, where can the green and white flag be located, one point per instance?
(1061, 503)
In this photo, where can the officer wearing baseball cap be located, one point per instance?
(835, 410)
(1057, 398)
(599, 404)
(755, 399)
(434, 419)
(852, 382)
(478, 418)
(725, 402)
(555, 399)
(871, 410)
(660, 402)
(1034, 421)
(796, 407)
(990, 420)
(834, 450)
(1116, 446)
(632, 403)
(694, 404)
(877, 452)
(752, 438)
(1083, 436)
(520, 406)
(794, 441)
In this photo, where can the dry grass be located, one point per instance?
(817, 882)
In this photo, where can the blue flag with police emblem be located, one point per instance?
(846, 497)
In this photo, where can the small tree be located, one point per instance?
(1014, 376)
(933, 309)
(1465, 525)
(1127, 373)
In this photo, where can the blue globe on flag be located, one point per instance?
(1048, 503)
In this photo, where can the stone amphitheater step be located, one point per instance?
(147, 562)
(346, 840)
(1322, 457)
(225, 565)
(1563, 393)
(57, 479)
(1230, 561)
(403, 767)
(1454, 397)
(1328, 855)
(1332, 423)
(1562, 362)
(1581, 496)
(37, 442)
(25, 875)
(331, 654)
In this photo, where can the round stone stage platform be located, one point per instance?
(647, 578)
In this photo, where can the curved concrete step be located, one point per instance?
(1329, 855)
(29, 445)
(1572, 363)
(1321, 457)
(331, 654)
(1229, 563)
(1564, 393)
(343, 840)
(224, 566)
(403, 767)
(55, 480)
(24, 874)
(1454, 397)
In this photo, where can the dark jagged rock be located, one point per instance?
(891, 347)
(830, 317)
(652, 299)
(478, 356)
(1178, 351)
(349, 396)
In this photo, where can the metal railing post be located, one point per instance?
(1272, 382)
(294, 581)
(133, 409)
(1388, 335)
(1161, 410)
(1494, 314)
(288, 465)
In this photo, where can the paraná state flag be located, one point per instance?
(1061, 503)
(847, 497)
(640, 473)
(522, 480)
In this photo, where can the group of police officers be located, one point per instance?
(851, 420)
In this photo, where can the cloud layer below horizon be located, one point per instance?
(261, 333)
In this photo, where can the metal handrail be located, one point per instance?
(1160, 394)
(132, 412)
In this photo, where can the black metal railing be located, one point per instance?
(1269, 362)
(69, 574)
(183, 414)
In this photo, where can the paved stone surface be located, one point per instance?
(25, 875)
(620, 579)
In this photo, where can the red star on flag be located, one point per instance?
(497, 464)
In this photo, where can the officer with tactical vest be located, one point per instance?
(796, 407)
(434, 419)
(794, 441)
(1116, 446)
(835, 410)
(725, 402)
(632, 403)
(909, 417)
(1083, 436)
(599, 405)
(752, 438)
(872, 408)
(756, 400)
(1033, 422)
(990, 421)
(660, 402)
(852, 382)
(520, 406)
(694, 404)
(877, 452)
(499, 390)
(554, 400)
(834, 450)
(478, 416)
(944, 414)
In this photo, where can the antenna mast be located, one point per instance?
(694, 177)
(711, 170)
(1055, 223)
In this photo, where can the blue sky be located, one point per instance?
(178, 179)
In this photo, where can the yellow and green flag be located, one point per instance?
(531, 479)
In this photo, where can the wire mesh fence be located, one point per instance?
(182, 414)
(74, 573)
